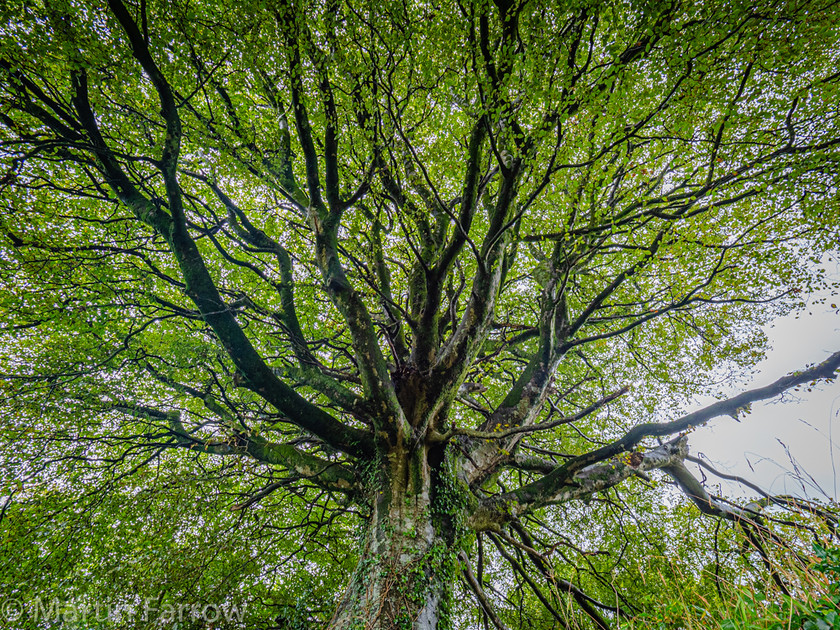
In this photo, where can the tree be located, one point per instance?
(434, 267)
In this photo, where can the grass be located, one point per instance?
(814, 603)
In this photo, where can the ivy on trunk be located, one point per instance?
(448, 272)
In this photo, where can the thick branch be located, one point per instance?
(729, 407)
(330, 475)
(497, 510)
(695, 491)
(203, 292)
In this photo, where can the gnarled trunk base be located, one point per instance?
(393, 591)
(404, 578)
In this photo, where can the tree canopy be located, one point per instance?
(346, 309)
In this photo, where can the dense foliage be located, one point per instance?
(389, 314)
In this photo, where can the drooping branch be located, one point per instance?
(473, 583)
(695, 491)
(787, 501)
(563, 585)
(530, 582)
(749, 521)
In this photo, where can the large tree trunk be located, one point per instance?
(404, 578)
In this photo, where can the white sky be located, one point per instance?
(807, 423)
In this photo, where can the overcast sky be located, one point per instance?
(804, 424)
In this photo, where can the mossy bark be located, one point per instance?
(404, 577)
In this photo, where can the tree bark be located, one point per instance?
(404, 578)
